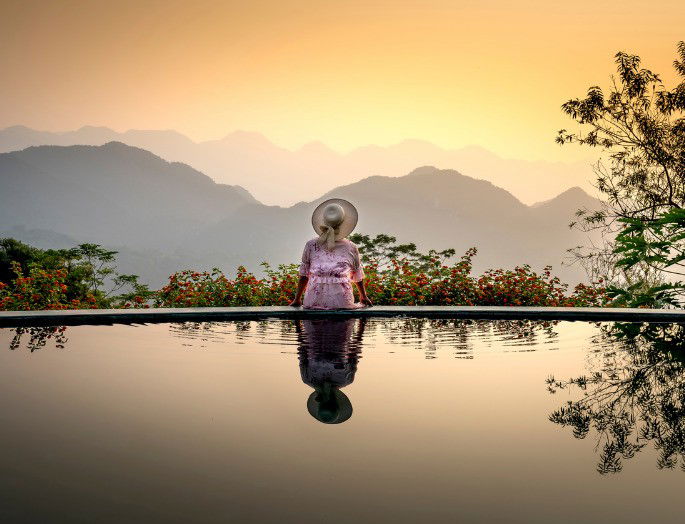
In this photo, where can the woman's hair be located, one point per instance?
(333, 216)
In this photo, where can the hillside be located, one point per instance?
(166, 216)
(275, 175)
(112, 193)
(434, 208)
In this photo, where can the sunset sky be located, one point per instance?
(491, 73)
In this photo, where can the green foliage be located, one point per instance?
(658, 244)
(639, 125)
(396, 274)
(636, 396)
(382, 249)
(87, 271)
(40, 289)
(201, 288)
(13, 251)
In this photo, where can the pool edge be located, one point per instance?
(160, 315)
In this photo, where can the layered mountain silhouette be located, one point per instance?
(278, 176)
(166, 216)
(115, 192)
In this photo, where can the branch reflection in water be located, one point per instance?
(35, 338)
(635, 396)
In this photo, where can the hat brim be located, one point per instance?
(346, 226)
(343, 413)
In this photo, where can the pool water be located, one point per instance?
(377, 420)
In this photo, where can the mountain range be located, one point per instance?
(166, 216)
(278, 176)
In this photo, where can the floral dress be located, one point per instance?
(328, 352)
(331, 274)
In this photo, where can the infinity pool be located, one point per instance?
(378, 420)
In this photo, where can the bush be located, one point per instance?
(638, 125)
(41, 289)
(424, 280)
(82, 277)
(396, 274)
(199, 289)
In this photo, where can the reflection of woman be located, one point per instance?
(328, 352)
(331, 262)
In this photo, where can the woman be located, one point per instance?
(330, 263)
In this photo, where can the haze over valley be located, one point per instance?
(165, 216)
(278, 176)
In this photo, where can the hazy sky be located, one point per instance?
(492, 73)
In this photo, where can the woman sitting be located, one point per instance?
(330, 263)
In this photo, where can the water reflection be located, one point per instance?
(35, 338)
(328, 351)
(458, 338)
(165, 422)
(634, 397)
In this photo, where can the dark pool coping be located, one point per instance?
(145, 316)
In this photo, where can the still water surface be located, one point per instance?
(378, 420)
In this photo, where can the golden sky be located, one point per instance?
(491, 73)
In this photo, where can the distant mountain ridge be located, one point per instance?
(167, 216)
(115, 192)
(278, 176)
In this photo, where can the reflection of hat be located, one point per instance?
(334, 219)
(330, 406)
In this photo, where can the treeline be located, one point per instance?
(638, 125)
(396, 274)
(81, 277)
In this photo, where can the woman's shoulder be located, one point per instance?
(311, 243)
(351, 244)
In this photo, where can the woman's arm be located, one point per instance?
(357, 275)
(301, 285)
(363, 297)
(304, 275)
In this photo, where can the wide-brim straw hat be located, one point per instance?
(345, 227)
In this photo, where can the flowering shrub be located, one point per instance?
(436, 283)
(197, 289)
(404, 283)
(523, 287)
(82, 277)
(41, 289)
(401, 282)
(395, 275)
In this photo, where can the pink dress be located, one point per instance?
(331, 274)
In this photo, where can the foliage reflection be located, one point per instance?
(634, 398)
(35, 338)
